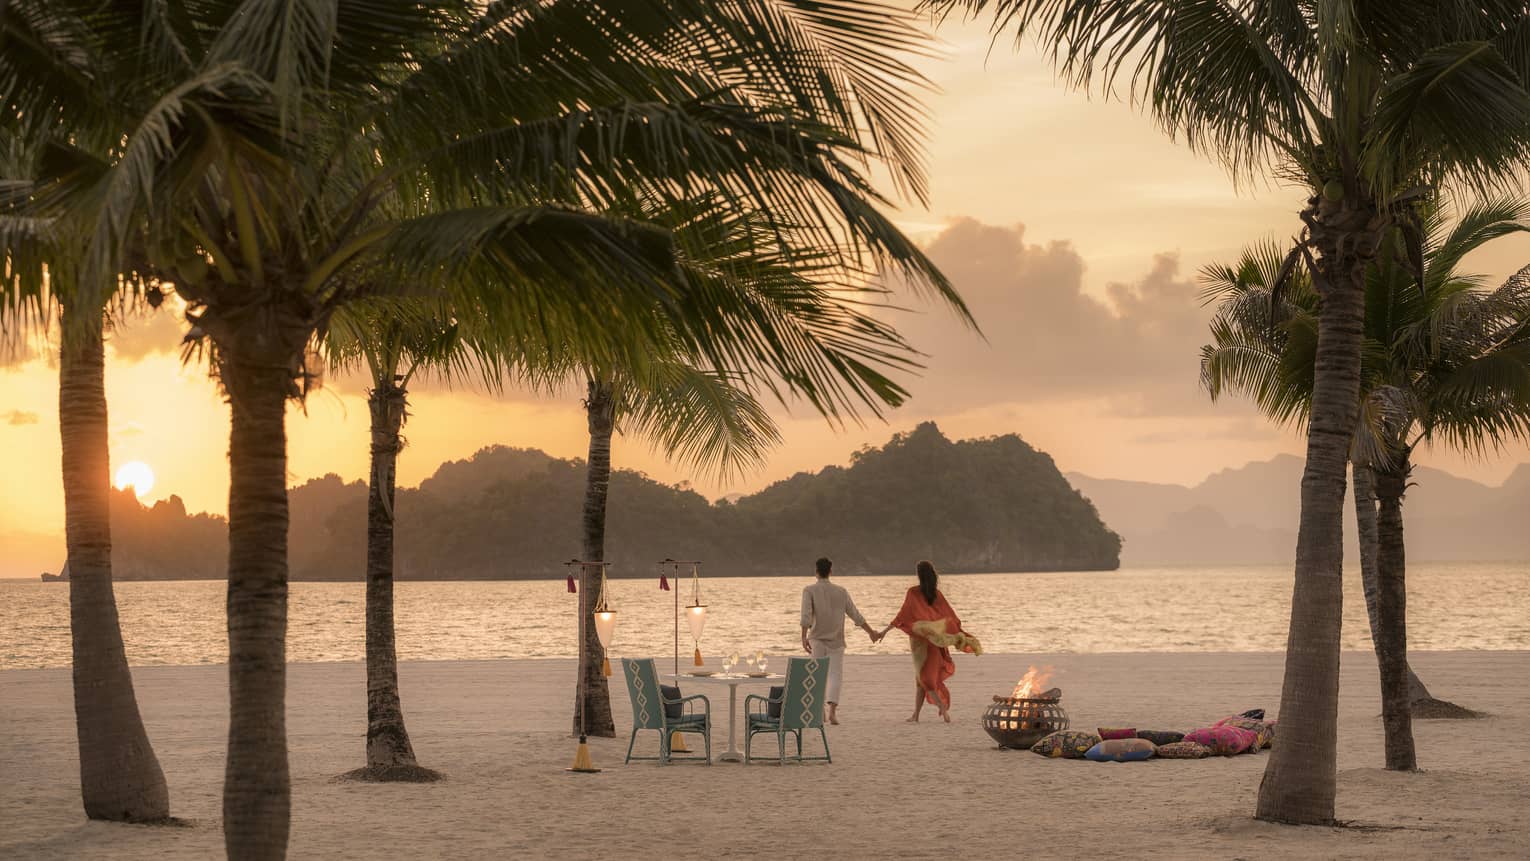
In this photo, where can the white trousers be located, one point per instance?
(821, 649)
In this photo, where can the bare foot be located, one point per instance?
(945, 716)
(914, 719)
(834, 719)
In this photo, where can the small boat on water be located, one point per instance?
(60, 577)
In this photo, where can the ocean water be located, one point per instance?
(1450, 606)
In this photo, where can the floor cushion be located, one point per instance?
(1160, 737)
(1224, 740)
(1182, 750)
(1121, 750)
(1265, 730)
(1066, 744)
(1111, 733)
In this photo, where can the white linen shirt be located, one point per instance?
(824, 608)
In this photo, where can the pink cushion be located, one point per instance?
(1265, 730)
(1224, 740)
(1111, 733)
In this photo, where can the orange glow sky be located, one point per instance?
(1074, 226)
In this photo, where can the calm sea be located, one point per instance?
(1450, 606)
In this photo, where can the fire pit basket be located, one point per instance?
(1019, 722)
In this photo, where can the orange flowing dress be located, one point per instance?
(933, 629)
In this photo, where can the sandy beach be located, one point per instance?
(498, 729)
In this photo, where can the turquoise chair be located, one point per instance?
(650, 710)
(800, 707)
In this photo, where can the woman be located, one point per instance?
(933, 629)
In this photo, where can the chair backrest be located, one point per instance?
(807, 684)
(643, 690)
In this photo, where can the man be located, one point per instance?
(824, 608)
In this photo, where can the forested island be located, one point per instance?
(993, 504)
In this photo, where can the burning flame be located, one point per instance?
(1032, 683)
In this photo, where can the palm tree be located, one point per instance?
(272, 148)
(707, 417)
(702, 418)
(120, 777)
(1442, 361)
(1367, 106)
(394, 341)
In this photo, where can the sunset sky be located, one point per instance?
(1072, 225)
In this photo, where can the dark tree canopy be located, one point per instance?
(993, 504)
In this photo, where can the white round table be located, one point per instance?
(732, 680)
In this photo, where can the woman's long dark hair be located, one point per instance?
(927, 580)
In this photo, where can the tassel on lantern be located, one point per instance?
(582, 761)
(663, 583)
(571, 586)
(698, 656)
(605, 667)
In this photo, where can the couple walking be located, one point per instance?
(932, 627)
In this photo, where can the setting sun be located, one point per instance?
(137, 475)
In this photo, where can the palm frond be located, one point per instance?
(705, 419)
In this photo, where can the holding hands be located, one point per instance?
(876, 636)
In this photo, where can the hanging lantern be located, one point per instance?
(696, 612)
(605, 622)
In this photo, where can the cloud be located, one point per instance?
(1050, 341)
(16, 418)
(142, 333)
(1237, 430)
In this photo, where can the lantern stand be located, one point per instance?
(582, 762)
(677, 740)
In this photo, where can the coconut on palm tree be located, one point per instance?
(1368, 107)
(270, 150)
(1443, 362)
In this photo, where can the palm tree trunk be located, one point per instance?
(390, 756)
(1391, 616)
(120, 777)
(1365, 519)
(257, 790)
(594, 696)
(1299, 782)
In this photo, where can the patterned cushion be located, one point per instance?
(1160, 737)
(1223, 740)
(1111, 733)
(1183, 750)
(1121, 750)
(1265, 730)
(672, 710)
(1066, 744)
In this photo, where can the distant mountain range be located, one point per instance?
(993, 504)
(1248, 516)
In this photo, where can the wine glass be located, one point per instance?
(730, 663)
(761, 662)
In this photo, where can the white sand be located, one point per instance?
(498, 729)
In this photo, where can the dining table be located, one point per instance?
(732, 680)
